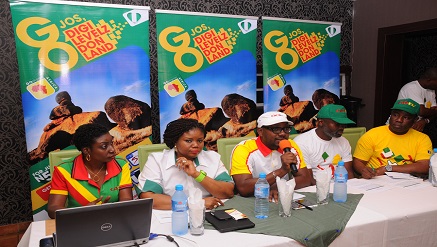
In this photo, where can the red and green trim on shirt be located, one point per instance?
(72, 179)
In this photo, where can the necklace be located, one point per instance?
(94, 176)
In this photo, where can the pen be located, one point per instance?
(309, 208)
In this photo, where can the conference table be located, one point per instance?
(393, 212)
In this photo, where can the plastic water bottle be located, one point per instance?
(432, 161)
(262, 191)
(340, 183)
(179, 216)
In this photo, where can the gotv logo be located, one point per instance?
(407, 103)
(136, 17)
(333, 30)
(106, 227)
(247, 25)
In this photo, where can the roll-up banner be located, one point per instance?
(81, 63)
(207, 71)
(301, 67)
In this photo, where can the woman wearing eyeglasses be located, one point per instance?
(263, 154)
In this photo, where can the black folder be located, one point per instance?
(228, 225)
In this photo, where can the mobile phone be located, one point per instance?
(46, 242)
(306, 202)
(221, 215)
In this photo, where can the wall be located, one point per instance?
(369, 15)
(15, 203)
(419, 50)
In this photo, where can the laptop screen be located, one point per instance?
(125, 223)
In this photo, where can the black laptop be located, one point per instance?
(124, 223)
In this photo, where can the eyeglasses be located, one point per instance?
(277, 130)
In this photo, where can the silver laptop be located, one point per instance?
(124, 223)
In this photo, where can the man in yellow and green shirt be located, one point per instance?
(396, 147)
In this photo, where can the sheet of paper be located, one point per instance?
(366, 185)
(418, 186)
(411, 184)
(163, 216)
(399, 175)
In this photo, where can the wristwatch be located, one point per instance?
(201, 176)
(389, 168)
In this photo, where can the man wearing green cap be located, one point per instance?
(394, 147)
(324, 146)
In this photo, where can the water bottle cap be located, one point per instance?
(179, 187)
(341, 163)
(262, 175)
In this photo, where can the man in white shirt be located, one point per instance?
(423, 92)
(323, 147)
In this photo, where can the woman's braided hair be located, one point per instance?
(178, 127)
(87, 134)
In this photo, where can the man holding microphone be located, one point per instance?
(263, 154)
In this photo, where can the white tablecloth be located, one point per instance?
(387, 216)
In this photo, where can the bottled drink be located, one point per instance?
(433, 161)
(340, 183)
(262, 191)
(179, 216)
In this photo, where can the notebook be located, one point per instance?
(228, 224)
(125, 223)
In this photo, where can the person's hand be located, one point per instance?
(273, 195)
(368, 172)
(380, 171)
(419, 125)
(187, 166)
(100, 200)
(286, 159)
(212, 202)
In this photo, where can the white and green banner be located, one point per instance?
(207, 71)
(81, 63)
(301, 66)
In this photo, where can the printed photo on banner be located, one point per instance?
(81, 63)
(207, 71)
(301, 68)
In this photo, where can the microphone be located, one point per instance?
(286, 146)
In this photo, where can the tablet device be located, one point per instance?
(227, 224)
(221, 215)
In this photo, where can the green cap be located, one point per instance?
(336, 113)
(407, 105)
